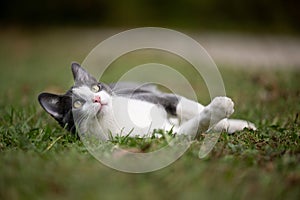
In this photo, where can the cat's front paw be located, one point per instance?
(220, 108)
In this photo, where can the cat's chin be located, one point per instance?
(101, 110)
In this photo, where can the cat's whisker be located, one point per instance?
(79, 119)
(136, 105)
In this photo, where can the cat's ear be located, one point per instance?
(80, 75)
(51, 103)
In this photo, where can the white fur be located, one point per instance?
(133, 116)
(187, 109)
(121, 116)
(191, 111)
(218, 109)
(233, 125)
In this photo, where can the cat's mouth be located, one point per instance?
(100, 107)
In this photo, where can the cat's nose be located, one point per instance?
(96, 99)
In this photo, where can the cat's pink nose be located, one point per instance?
(97, 99)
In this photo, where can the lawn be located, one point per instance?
(40, 160)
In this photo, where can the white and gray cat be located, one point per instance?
(129, 108)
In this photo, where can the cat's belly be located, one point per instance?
(139, 118)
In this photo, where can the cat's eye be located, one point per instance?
(77, 104)
(95, 88)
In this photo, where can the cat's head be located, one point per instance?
(87, 98)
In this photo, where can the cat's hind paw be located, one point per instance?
(233, 125)
(220, 108)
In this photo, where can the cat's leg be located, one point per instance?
(218, 109)
(233, 125)
(187, 109)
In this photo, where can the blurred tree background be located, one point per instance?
(247, 15)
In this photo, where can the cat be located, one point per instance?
(133, 109)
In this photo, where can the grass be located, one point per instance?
(40, 160)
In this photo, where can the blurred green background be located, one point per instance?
(256, 46)
(46, 36)
(247, 15)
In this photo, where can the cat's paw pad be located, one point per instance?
(220, 108)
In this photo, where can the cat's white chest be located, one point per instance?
(139, 118)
